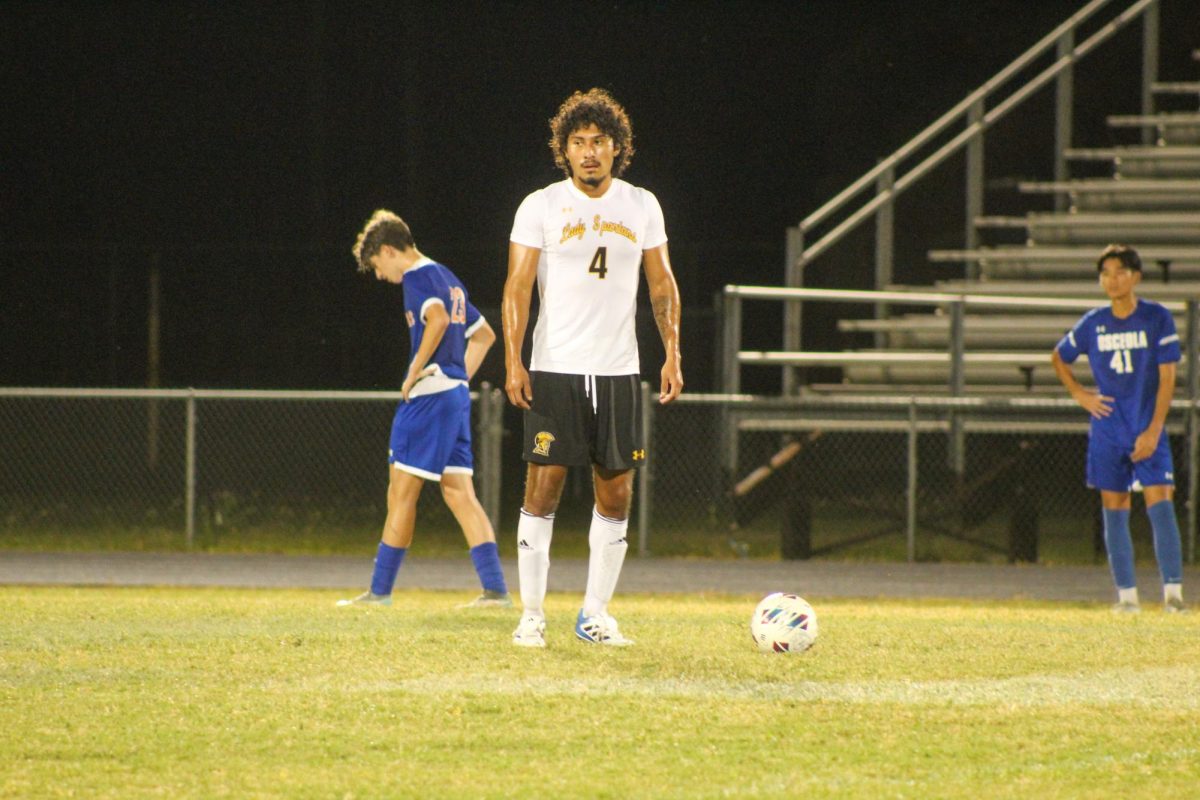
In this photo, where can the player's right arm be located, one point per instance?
(479, 342)
(437, 321)
(514, 312)
(1094, 403)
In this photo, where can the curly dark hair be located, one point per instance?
(382, 228)
(593, 107)
(1128, 257)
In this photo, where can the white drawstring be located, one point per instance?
(589, 388)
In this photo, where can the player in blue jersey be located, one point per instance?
(1132, 350)
(431, 431)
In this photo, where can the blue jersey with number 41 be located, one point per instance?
(1124, 355)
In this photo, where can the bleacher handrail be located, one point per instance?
(954, 303)
(963, 108)
(924, 298)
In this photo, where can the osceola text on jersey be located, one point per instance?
(1123, 340)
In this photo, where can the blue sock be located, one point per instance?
(487, 565)
(387, 563)
(1120, 547)
(1166, 541)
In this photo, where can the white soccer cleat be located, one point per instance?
(1126, 608)
(530, 632)
(600, 629)
(367, 598)
(490, 599)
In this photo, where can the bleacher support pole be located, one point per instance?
(974, 185)
(1023, 521)
(1064, 101)
(795, 541)
(885, 219)
(1149, 66)
(793, 312)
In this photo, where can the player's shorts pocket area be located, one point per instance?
(1109, 466)
(584, 419)
(432, 432)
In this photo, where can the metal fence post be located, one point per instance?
(496, 467)
(1193, 454)
(479, 441)
(958, 381)
(189, 489)
(489, 453)
(1064, 102)
(1193, 434)
(731, 343)
(910, 493)
(645, 476)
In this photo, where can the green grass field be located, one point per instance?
(231, 693)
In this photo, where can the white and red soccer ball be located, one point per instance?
(783, 623)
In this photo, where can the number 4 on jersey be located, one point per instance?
(599, 264)
(1121, 363)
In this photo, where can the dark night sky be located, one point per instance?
(240, 147)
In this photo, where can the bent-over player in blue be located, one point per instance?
(431, 431)
(1132, 350)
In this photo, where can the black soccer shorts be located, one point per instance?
(576, 420)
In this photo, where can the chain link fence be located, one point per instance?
(171, 468)
(885, 478)
(728, 476)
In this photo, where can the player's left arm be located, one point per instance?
(1147, 440)
(664, 299)
(437, 320)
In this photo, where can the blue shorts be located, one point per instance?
(1110, 468)
(431, 435)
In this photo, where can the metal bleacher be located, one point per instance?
(966, 358)
(1148, 197)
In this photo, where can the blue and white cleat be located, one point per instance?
(367, 598)
(600, 629)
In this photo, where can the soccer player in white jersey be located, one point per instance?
(1132, 350)
(431, 430)
(583, 241)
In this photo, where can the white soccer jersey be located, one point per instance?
(588, 272)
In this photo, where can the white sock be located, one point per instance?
(1128, 595)
(1173, 591)
(606, 540)
(533, 560)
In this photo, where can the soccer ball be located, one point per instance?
(783, 623)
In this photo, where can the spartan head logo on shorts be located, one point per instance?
(541, 443)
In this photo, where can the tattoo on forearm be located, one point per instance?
(666, 317)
